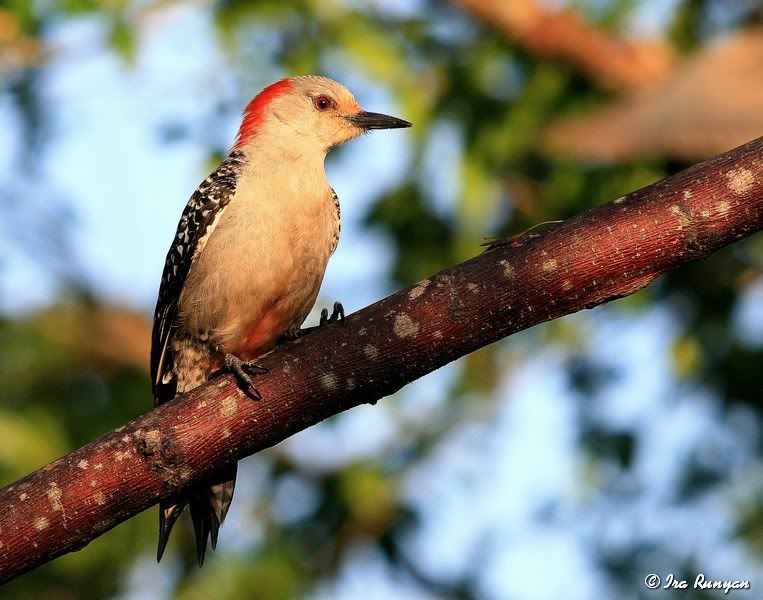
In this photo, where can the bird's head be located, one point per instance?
(309, 113)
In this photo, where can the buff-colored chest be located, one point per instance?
(261, 268)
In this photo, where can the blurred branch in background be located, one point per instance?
(600, 255)
(17, 50)
(707, 105)
(614, 63)
(100, 335)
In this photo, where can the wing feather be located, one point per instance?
(197, 222)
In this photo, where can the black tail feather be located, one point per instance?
(214, 530)
(219, 498)
(209, 505)
(169, 511)
(200, 515)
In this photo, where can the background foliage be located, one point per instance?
(568, 461)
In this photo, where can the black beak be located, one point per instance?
(369, 120)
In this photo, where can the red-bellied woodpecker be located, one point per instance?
(249, 255)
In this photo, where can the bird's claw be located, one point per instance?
(337, 315)
(242, 371)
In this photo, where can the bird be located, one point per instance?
(248, 257)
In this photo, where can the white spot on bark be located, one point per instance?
(329, 381)
(437, 334)
(54, 495)
(444, 279)
(619, 200)
(723, 207)
(687, 194)
(126, 439)
(201, 404)
(421, 286)
(405, 326)
(41, 523)
(350, 385)
(98, 466)
(230, 406)
(23, 496)
(362, 331)
(681, 213)
(83, 464)
(99, 498)
(120, 456)
(185, 473)
(226, 433)
(549, 265)
(740, 180)
(370, 351)
(472, 287)
(152, 439)
(566, 285)
(508, 270)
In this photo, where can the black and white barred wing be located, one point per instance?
(197, 222)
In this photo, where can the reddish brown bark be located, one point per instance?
(598, 256)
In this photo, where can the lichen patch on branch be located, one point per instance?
(683, 214)
(152, 438)
(229, 408)
(420, 288)
(119, 456)
(740, 180)
(329, 381)
(405, 326)
(41, 523)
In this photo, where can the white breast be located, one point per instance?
(262, 266)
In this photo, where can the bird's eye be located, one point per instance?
(323, 102)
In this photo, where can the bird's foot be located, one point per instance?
(294, 332)
(242, 370)
(337, 315)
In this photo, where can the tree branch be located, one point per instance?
(603, 254)
(615, 63)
